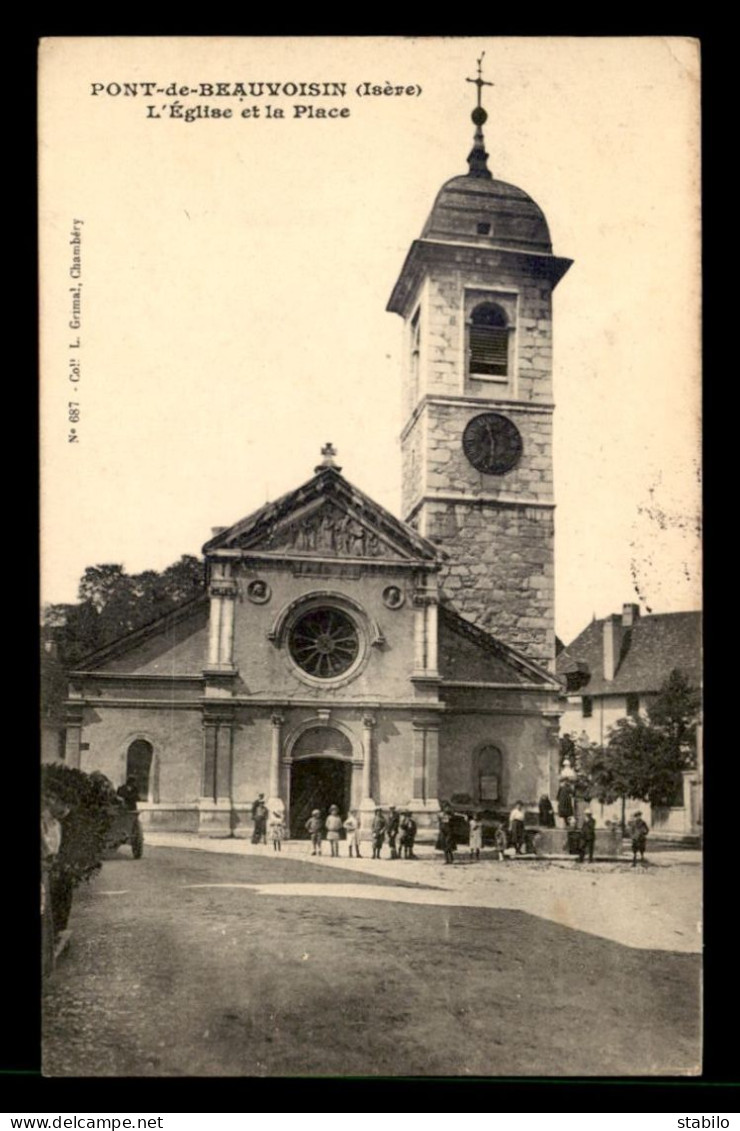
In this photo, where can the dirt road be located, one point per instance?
(202, 963)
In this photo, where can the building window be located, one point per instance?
(139, 766)
(484, 229)
(488, 341)
(587, 707)
(677, 799)
(324, 643)
(633, 705)
(415, 354)
(489, 774)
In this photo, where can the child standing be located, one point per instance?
(352, 829)
(408, 835)
(499, 837)
(475, 843)
(378, 831)
(638, 832)
(333, 829)
(276, 830)
(313, 825)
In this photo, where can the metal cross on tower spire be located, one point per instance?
(479, 80)
(478, 158)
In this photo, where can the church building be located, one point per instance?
(343, 656)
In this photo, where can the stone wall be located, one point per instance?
(523, 742)
(446, 467)
(412, 460)
(502, 574)
(176, 736)
(465, 278)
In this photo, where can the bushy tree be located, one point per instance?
(91, 802)
(111, 604)
(675, 713)
(643, 758)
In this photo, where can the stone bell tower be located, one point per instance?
(475, 295)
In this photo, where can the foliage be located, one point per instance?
(91, 801)
(577, 752)
(111, 604)
(639, 762)
(643, 758)
(567, 749)
(675, 713)
(53, 686)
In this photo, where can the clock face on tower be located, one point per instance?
(492, 443)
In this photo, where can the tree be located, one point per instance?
(91, 801)
(111, 604)
(639, 762)
(644, 758)
(675, 712)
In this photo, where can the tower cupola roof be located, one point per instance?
(474, 209)
(479, 209)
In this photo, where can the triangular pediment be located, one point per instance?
(325, 518)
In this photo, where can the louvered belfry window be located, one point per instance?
(489, 341)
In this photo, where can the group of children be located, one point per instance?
(399, 828)
(503, 840)
(315, 826)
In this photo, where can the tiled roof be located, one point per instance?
(257, 529)
(469, 652)
(651, 649)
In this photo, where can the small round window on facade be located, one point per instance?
(324, 643)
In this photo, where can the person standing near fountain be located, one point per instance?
(516, 827)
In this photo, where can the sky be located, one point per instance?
(235, 273)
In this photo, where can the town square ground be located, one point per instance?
(220, 958)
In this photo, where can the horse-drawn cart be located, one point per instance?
(126, 828)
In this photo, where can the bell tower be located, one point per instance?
(475, 295)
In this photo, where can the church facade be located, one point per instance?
(341, 655)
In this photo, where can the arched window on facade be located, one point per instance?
(490, 765)
(488, 341)
(139, 766)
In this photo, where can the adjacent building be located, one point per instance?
(614, 668)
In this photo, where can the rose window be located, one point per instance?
(324, 643)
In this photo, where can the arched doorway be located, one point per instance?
(139, 765)
(320, 776)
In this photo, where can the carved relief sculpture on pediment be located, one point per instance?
(331, 532)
